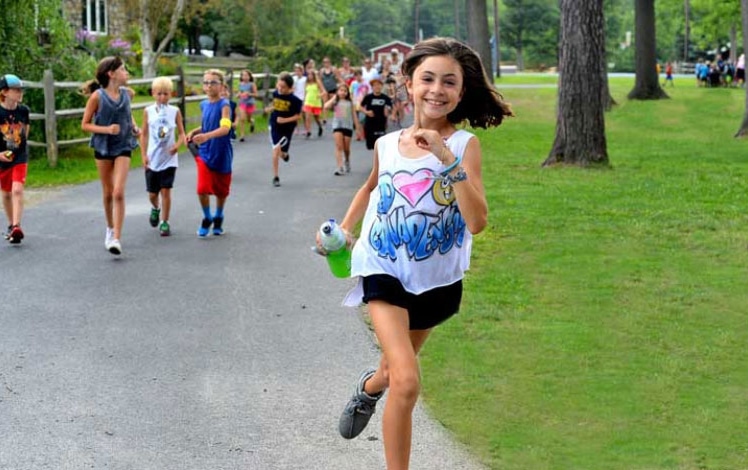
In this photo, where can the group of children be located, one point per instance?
(115, 135)
(425, 183)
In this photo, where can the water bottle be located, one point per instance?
(334, 242)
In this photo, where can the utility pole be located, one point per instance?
(417, 6)
(687, 32)
(496, 42)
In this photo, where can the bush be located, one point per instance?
(73, 66)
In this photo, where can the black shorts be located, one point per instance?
(345, 132)
(281, 136)
(99, 156)
(155, 181)
(371, 137)
(425, 310)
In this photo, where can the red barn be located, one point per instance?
(385, 50)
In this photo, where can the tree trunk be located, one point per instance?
(148, 28)
(608, 101)
(478, 37)
(743, 131)
(580, 125)
(647, 85)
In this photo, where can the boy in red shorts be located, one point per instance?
(14, 130)
(215, 154)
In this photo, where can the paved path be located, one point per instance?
(225, 353)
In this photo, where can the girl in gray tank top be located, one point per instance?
(109, 118)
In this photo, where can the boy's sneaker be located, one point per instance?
(347, 166)
(276, 182)
(359, 409)
(164, 229)
(286, 157)
(16, 235)
(217, 226)
(339, 172)
(204, 229)
(6, 234)
(114, 247)
(319, 132)
(153, 219)
(108, 237)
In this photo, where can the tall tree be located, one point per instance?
(647, 86)
(476, 12)
(529, 23)
(743, 131)
(150, 16)
(580, 124)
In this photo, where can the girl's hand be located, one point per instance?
(136, 131)
(173, 150)
(6, 156)
(320, 250)
(113, 129)
(199, 139)
(145, 162)
(427, 139)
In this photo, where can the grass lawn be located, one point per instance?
(604, 318)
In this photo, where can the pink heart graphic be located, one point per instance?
(413, 186)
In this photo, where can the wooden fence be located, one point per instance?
(183, 81)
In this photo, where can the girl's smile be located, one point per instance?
(437, 84)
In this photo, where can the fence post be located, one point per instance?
(181, 88)
(50, 118)
(267, 88)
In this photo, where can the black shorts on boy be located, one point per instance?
(282, 135)
(425, 310)
(155, 181)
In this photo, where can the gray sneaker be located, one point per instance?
(359, 409)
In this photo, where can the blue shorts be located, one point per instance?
(425, 310)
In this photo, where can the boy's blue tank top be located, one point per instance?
(217, 153)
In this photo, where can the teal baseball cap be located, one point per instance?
(10, 81)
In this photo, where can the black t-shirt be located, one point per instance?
(284, 106)
(13, 136)
(378, 104)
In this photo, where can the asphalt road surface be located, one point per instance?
(229, 352)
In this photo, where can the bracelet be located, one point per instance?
(461, 175)
(448, 180)
(455, 163)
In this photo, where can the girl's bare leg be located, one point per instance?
(338, 149)
(119, 180)
(106, 172)
(398, 370)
